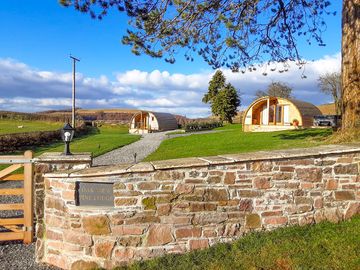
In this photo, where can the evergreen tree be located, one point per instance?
(223, 97)
(216, 83)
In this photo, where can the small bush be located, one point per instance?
(199, 126)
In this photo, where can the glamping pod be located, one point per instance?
(275, 113)
(147, 122)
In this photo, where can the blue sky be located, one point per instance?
(37, 37)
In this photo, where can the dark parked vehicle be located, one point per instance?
(327, 120)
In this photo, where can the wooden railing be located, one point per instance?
(17, 228)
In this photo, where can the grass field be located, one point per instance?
(323, 246)
(108, 138)
(11, 126)
(230, 139)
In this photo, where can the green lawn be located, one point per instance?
(11, 126)
(108, 138)
(323, 246)
(231, 139)
(100, 141)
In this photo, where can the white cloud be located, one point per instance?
(24, 88)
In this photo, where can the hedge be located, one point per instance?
(199, 126)
(22, 141)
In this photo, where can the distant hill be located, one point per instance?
(327, 109)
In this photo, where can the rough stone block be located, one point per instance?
(309, 174)
(209, 218)
(346, 169)
(184, 189)
(252, 221)
(53, 235)
(125, 201)
(130, 241)
(343, 195)
(96, 225)
(275, 220)
(303, 200)
(84, 265)
(148, 185)
(123, 254)
(332, 215)
(158, 235)
(187, 232)
(262, 182)
(216, 195)
(55, 203)
(230, 178)
(163, 209)
(77, 238)
(149, 203)
(103, 249)
(249, 193)
(282, 176)
(262, 166)
(246, 205)
(331, 184)
(198, 244)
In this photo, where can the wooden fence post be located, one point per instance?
(28, 199)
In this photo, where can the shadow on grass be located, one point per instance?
(302, 134)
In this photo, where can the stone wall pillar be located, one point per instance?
(46, 163)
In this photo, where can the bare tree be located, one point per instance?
(330, 84)
(276, 89)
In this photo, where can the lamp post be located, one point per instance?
(73, 90)
(67, 134)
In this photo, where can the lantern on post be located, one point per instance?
(67, 134)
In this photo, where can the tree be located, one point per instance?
(238, 34)
(276, 89)
(223, 97)
(330, 83)
(216, 83)
(350, 66)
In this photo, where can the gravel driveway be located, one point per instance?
(143, 147)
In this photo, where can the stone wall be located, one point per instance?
(46, 163)
(176, 206)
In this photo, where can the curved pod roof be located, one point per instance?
(166, 121)
(305, 109)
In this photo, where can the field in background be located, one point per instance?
(231, 139)
(12, 126)
(321, 246)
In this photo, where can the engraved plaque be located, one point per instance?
(94, 194)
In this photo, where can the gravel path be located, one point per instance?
(143, 147)
(16, 255)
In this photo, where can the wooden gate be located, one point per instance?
(17, 228)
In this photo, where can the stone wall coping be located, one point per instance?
(206, 161)
(59, 157)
